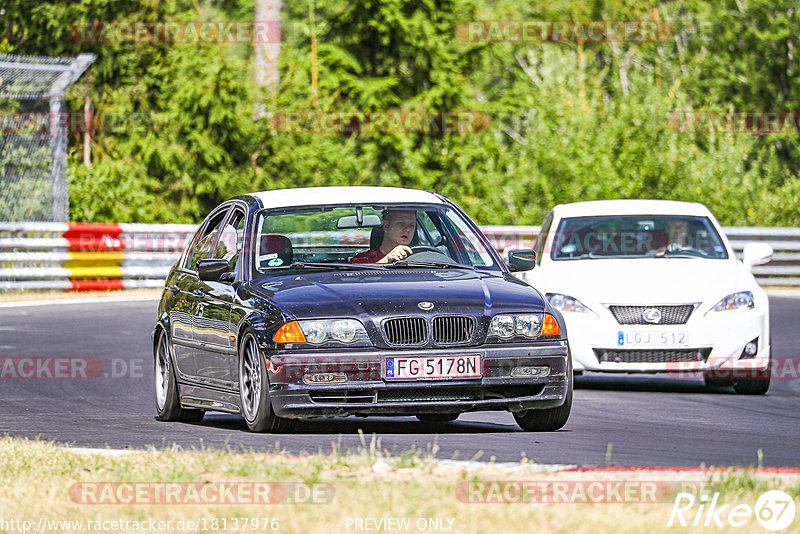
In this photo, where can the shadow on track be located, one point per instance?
(367, 425)
(647, 383)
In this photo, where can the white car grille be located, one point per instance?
(652, 355)
(668, 314)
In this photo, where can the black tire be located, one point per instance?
(757, 384)
(254, 390)
(192, 415)
(549, 419)
(165, 386)
(758, 381)
(714, 382)
(437, 417)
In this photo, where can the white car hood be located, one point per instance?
(640, 280)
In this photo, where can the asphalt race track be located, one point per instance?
(655, 421)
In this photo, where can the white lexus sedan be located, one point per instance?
(654, 286)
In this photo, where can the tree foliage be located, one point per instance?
(177, 130)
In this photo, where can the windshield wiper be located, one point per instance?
(434, 264)
(590, 255)
(681, 255)
(340, 266)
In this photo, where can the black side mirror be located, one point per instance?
(521, 260)
(211, 270)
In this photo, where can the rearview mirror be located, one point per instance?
(210, 270)
(521, 260)
(756, 254)
(350, 221)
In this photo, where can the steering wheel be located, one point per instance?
(424, 248)
(674, 247)
(700, 252)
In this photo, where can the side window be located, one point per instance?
(231, 239)
(469, 243)
(187, 253)
(542, 237)
(206, 240)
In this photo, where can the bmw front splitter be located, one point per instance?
(362, 387)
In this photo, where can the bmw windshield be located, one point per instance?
(636, 236)
(368, 236)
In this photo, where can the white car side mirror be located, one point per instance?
(756, 254)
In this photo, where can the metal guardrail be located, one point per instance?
(85, 256)
(784, 269)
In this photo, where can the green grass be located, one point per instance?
(36, 477)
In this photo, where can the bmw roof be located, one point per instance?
(310, 196)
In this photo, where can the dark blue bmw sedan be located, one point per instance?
(338, 301)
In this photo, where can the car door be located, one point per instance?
(201, 249)
(181, 318)
(214, 333)
(181, 311)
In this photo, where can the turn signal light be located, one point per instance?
(289, 333)
(550, 327)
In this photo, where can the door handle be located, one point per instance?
(174, 288)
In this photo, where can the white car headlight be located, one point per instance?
(565, 303)
(506, 326)
(323, 330)
(742, 300)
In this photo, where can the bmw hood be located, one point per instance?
(397, 292)
(644, 280)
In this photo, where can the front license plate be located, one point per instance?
(432, 367)
(652, 339)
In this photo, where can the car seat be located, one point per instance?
(275, 250)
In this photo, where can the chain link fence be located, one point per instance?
(34, 184)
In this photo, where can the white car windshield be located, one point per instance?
(636, 236)
(356, 234)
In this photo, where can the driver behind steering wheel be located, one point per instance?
(677, 238)
(398, 231)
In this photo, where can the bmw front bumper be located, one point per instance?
(366, 391)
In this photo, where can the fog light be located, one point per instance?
(534, 371)
(324, 378)
(750, 349)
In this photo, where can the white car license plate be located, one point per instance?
(652, 339)
(432, 367)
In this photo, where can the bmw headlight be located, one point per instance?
(742, 300)
(506, 326)
(320, 331)
(565, 303)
